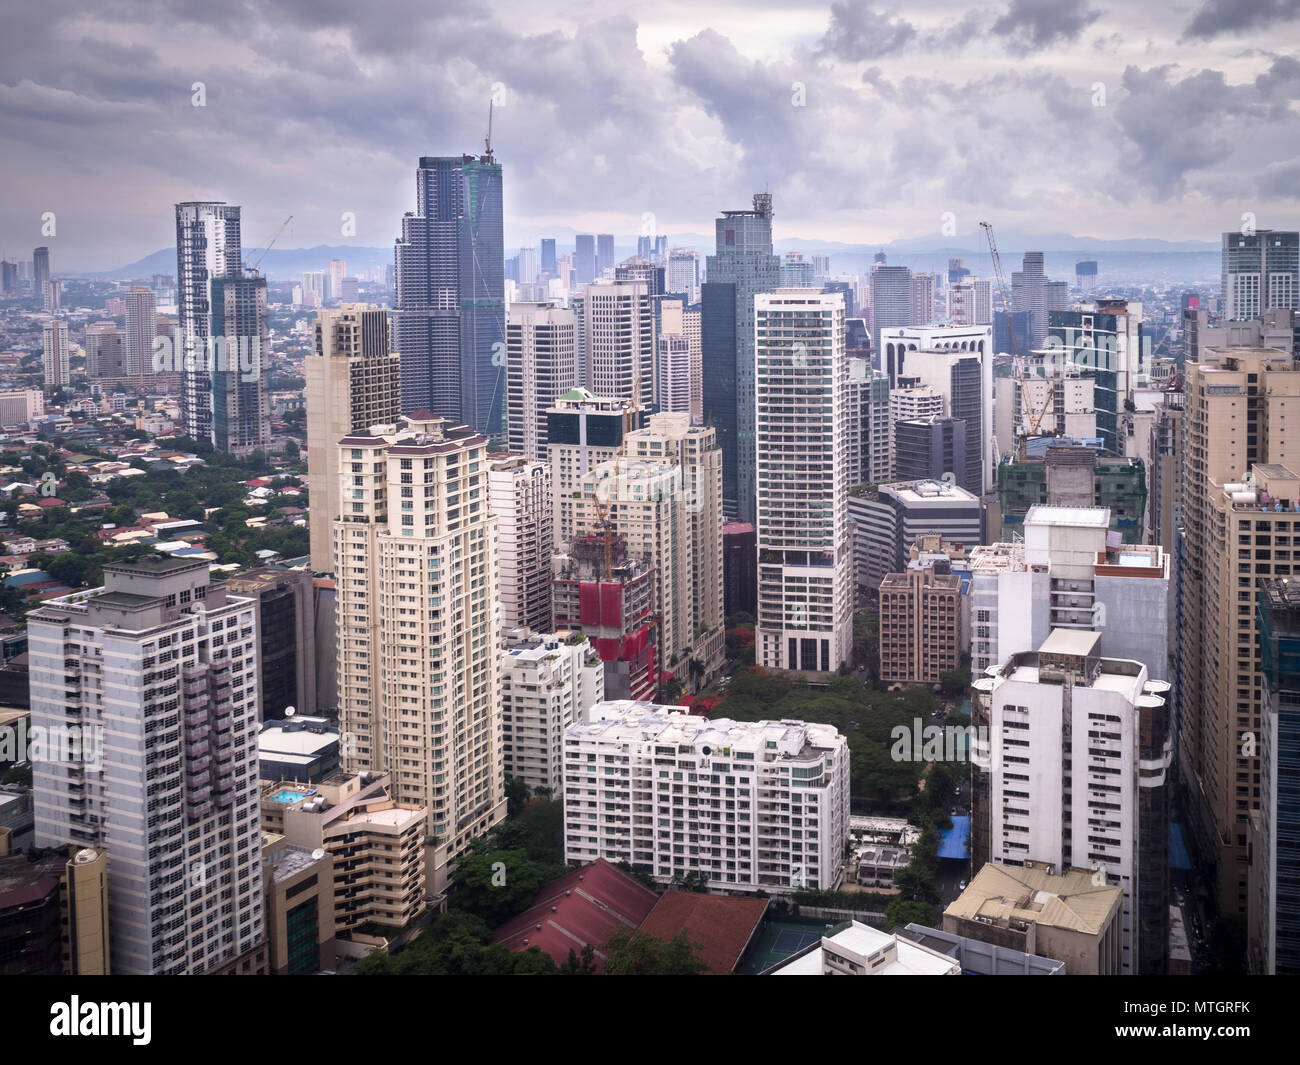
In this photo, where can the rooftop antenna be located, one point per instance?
(487, 141)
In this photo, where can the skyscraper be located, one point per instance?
(338, 269)
(549, 268)
(741, 267)
(353, 381)
(1029, 293)
(673, 373)
(584, 259)
(619, 340)
(664, 501)
(40, 269)
(541, 365)
(519, 495)
(1275, 830)
(805, 544)
(141, 325)
(891, 300)
(604, 253)
(241, 356)
(1261, 270)
(54, 355)
(418, 674)
(1239, 494)
(922, 293)
(207, 247)
(684, 273)
(162, 667)
(1095, 794)
(449, 314)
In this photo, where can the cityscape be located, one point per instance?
(674, 538)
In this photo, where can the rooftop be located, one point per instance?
(1002, 893)
(1090, 517)
(721, 926)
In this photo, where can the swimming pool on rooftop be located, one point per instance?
(289, 795)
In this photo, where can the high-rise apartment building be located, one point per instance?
(104, 349)
(970, 302)
(805, 542)
(684, 273)
(1077, 753)
(1241, 446)
(207, 248)
(673, 373)
(678, 320)
(541, 365)
(609, 595)
(449, 313)
(415, 569)
(582, 431)
(618, 340)
(40, 269)
(922, 299)
(240, 368)
(955, 362)
(376, 844)
(741, 267)
(921, 624)
(161, 667)
(732, 836)
(1274, 939)
(141, 325)
(1070, 573)
(353, 381)
(336, 272)
(519, 494)
(549, 681)
(286, 638)
(663, 499)
(1104, 338)
(55, 354)
(1261, 270)
(870, 431)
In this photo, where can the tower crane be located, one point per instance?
(283, 225)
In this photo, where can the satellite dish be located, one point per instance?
(318, 854)
(289, 711)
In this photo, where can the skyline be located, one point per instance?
(677, 114)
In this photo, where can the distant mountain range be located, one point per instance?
(1122, 260)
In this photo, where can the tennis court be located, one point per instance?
(789, 941)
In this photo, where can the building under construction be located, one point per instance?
(1074, 475)
(610, 597)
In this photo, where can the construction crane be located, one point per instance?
(1002, 285)
(1038, 420)
(283, 225)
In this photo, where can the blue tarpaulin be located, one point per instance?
(952, 843)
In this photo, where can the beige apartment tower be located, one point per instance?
(541, 365)
(353, 382)
(1240, 496)
(416, 576)
(663, 498)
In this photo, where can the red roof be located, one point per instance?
(583, 906)
(721, 926)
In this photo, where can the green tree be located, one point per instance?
(580, 966)
(901, 911)
(495, 885)
(630, 952)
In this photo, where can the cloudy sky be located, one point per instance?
(868, 123)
